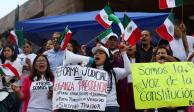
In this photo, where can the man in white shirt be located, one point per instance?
(181, 45)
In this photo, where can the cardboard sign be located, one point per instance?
(79, 87)
(163, 85)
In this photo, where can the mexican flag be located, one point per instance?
(163, 4)
(102, 17)
(166, 30)
(17, 37)
(132, 32)
(9, 70)
(104, 36)
(65, 38)
(116, 20)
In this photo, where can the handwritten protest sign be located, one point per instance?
(79, 87)
(163, 85)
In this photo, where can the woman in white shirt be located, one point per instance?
(102, 58)
(26, 59)
(11, 102)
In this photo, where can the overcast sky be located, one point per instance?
(6, 6)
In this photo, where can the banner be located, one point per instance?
(79, 87)
(163, 85)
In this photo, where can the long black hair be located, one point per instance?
(34, 73)
(13, 57)
(108, 68)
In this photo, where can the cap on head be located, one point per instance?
(100, 47)
(113, 35)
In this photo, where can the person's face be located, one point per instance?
(8, 53)
(177, 31)
(41, 64)
(27, 49)
(49, 45)
(161, 53)
(55, 38)
(99, 57)
(112, 43)
(70, 47)
(145, 37)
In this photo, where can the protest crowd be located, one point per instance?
(36, 75)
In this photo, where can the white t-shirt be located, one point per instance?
(21, 58)
(121, 73)
(179, 50)
(39, 101)
(190, 40)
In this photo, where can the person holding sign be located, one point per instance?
(35, 91)
(161, 55)
(191, 57)
(102, 61)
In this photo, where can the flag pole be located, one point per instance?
(158, 42)
(182, 15)
(17, 12)
(89, 42)
(182, 12)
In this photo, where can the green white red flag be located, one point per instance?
(102, 17)
(164, 4)
(65, 38)
(9, 70)
(132, 33)
(104, 36)
(166, 30)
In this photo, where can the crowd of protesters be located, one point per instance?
(114, 57)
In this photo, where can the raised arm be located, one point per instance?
(123, 72)
(75, 58)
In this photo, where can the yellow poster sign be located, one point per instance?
(163, 85)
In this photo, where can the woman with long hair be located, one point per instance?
(10, 101)
(35, 92)
(102, 61)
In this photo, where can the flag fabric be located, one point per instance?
(132, 32)
(17, 38)
(166, 30)
(102, 17)
(104, 36)
(116, 20)
(163, 4)
(9, 70)
(65, 38)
